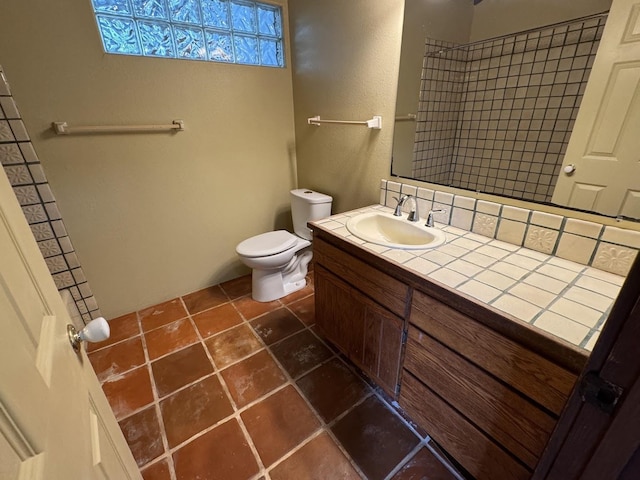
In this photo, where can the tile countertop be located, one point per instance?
(563, 298)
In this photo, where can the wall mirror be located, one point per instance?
(488, 96)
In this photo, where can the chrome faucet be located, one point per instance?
(401, 200)
(430, 222)
(414, 215)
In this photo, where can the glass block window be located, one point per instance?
(231, 31)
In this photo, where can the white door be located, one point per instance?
(605, 144)
(55, 422)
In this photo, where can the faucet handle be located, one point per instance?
(430, 221)
(401, 200)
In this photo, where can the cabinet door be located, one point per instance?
(340, 314)
(382, 347)
(368, 334)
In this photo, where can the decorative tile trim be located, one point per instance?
(485, 224)
(25, 173)
(541, 239)
(614, 258)
(611, 249)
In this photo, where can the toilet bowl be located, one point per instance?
(279, 260)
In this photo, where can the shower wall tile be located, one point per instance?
(9, 108)
(6, 135)
(19, 130)
(49, 248)
(10, 154)
(24, 171)
(497, 116)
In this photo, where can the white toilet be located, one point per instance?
(280, 259)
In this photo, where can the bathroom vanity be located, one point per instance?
(486, 386)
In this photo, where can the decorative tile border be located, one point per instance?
(607, 248)
(24, 170)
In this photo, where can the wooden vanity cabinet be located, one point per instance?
(488, 388)
(367, 332)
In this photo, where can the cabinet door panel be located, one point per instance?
(477, 453)
(389, 349)
(536, 377)
(369, 335)
(512, 420)
(339, 314)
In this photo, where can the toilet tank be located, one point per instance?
(306, 206)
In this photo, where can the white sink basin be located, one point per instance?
(394, 232)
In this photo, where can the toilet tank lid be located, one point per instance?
(265, 244)
(311, 196)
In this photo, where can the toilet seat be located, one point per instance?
(267, 244)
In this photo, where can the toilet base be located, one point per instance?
(269, 285)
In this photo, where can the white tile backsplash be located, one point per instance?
(444, 198)
(490, 208)
(620, 236)
(515, 213)
(511, 232)
(546, 220)
(580, 227)
(462, 218)
(464, 202)
(576, 248)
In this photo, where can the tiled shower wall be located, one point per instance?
(438, 113)
(518, 103)
(24, 170)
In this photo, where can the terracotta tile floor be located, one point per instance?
(213, 385)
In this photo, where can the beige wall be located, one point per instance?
(345, 67)
(152, 216)
(492, 18)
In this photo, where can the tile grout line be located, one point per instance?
(324, 426)
(236, 410)
(156, 403)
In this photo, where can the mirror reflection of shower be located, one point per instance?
(496, 115)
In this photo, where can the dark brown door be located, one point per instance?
(598, 434)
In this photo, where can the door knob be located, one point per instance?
(569, 169)
(96, 330)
